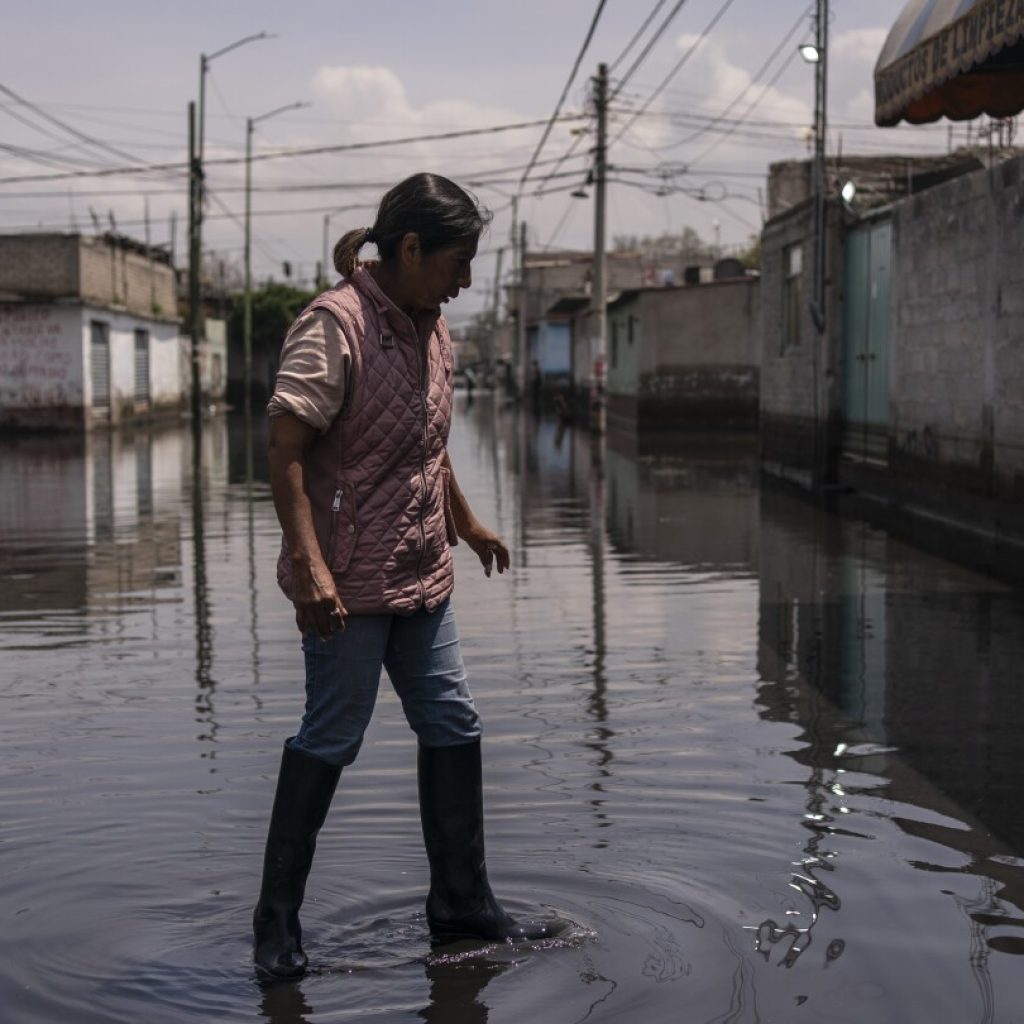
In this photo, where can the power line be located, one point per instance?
(639, 32)
(647, 49)
(565, 91)
(96, 143)
(349, 147)
(763, 70)
(753, 106)
(678, 66)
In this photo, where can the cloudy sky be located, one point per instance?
(122, 73)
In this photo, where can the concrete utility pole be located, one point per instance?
(194, 313)
(492, 347)
(820, 132)
(599, 289)
(522, 377)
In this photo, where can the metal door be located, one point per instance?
(141, 367)
(99, 366)
(867, 276)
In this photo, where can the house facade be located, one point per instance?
(684, 357)
(915, 390)
(89, 333)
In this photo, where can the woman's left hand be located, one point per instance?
(488, 547)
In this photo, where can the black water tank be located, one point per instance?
(691, 275)
(729, 267)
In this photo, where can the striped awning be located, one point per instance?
(952, 58)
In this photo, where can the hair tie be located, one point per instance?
(368, 236)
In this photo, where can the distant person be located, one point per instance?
(369, 506)
(536, 385)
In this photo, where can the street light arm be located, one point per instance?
(235, 45)
(279, 110)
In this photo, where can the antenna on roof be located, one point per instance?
(95, 220)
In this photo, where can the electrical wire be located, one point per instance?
(639, 32)
(565, 91)
(647, 49)
(678, 66)
(753, 106)
(81, 136)
(763, 70)
(288, 153)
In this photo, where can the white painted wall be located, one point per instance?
(41, 361)
(165, 386)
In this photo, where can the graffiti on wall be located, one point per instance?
(36, 365)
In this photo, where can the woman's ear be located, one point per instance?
(409, 252)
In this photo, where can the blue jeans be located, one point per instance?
(424, 662)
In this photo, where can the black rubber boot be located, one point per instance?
(461, 904)
(305, 786)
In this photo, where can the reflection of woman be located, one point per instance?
(368, 506)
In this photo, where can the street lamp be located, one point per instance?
(810, 53)
(247, 328)
(197, 134)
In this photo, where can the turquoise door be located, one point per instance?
(867, 274)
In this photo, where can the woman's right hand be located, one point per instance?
(317, 604)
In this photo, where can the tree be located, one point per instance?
(750, 257)
(274, 307)
(684, 246)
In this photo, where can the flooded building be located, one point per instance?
(913, 391)
(89, 332)
(685, 357)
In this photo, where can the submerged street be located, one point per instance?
(764, 758)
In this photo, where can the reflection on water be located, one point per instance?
(726, 732)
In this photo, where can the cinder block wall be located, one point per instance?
(957, 334)
(116, 276)
(39, 266)
(799, 400)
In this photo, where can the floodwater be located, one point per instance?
(766, 759)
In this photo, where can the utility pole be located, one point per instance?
(599, 290)
(492, 347)
(818, 303)
(521, 319)
(820, 134)
(194, 317)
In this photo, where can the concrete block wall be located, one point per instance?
(799, 401)
(694, 357)
(39, 265)
(93, 269)
(118, 276)
(957, 334)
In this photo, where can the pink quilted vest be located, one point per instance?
(375, 481)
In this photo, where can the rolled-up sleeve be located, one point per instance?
(313, 377)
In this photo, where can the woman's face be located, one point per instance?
(439, 276)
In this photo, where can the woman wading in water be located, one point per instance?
(369, 508)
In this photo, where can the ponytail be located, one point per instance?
(435, 209)
(346, 250)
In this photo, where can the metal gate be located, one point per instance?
(99, 366)
(867, 266)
